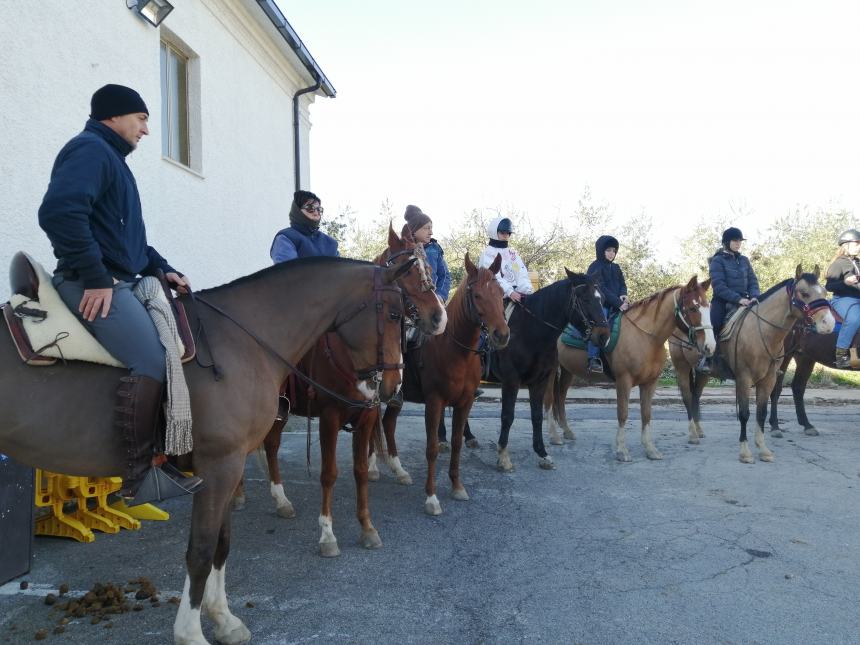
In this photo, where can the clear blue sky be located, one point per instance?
(674, 109)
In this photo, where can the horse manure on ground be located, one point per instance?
(101, 602)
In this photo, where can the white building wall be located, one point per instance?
(215, 224)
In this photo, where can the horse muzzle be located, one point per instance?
(499, 339)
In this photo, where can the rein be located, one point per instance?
(378, 288)
(573, 304)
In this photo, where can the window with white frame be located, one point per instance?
(175, 104)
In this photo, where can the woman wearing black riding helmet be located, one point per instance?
(843, 276)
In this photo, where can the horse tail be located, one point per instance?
(262, 463)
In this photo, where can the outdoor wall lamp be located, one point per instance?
(153, 11)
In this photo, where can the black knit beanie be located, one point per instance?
(115, 100)
(416, 218)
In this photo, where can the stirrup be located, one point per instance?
(703, 366)
(595, 366)
(161, 483)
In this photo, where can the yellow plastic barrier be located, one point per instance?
(89, 495)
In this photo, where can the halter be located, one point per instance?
(474, 317)
(427, 283)
(691, 329)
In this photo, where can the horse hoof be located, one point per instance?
(373, 475)
(329, 549)
(239, 503)
(693, 440)
(623, 456)
(654, 455)
(432, 506)
(546, 463)
(777, 434)
(405, 479)
(746, 459)
(504, 466)
(371, 540)
(473, 443)
(460, 494)
(555, 440)
(286, 511)
(766, 456)
(701, 434)
(810, 432)
(570, 435)
(238, 635)
(444, 446)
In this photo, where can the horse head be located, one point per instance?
(693, 315)
(419, 295)
(585, 308)
(376, 350)
(809, 299)
(484, 296)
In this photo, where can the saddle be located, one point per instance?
(44, 330)
(572, 337)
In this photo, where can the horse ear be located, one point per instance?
(394, 272)
(393, 241)
(798, 272)
(816, 271)
(406, 234)
(693, 284)
(497, 263)
(706, 284)
(470, 266)
(569, 273)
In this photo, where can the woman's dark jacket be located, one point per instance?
(839, 269)
(608, 275)
(301, 241)
(732, 277)
(91, 212)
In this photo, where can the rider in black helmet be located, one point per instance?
(843, 275)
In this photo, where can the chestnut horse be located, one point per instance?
(329, 365)
(445, 370)
(531, 357)
(806, 349)
(60, 418)
(638, 357)
(751, 345)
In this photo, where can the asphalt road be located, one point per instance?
(697, 548)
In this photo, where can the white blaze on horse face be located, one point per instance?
(824, 322)
(710, 341)
(366, 390)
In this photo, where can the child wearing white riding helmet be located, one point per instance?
(513, 275)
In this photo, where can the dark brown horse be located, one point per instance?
(806, 349)
(638, 357)
(445, 370)
(531, 357)
(329, 364)
(61, 418)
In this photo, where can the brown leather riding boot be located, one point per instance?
(137, 416)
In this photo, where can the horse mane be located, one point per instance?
(659, 295)
(285, 267)
(456, 307)
(540, 299)
(779, 286)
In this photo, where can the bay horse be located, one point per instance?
(531, 356)
(329, 364)
(638, 357)
(751, 345)
(59, 418)
(446, 370)
(806, 349)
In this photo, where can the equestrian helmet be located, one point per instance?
(505, 226)
(731, 234)
(851, 235)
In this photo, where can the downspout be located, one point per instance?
(297, 146)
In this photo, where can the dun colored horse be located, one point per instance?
(806, 349)
(638, 357)
(752, 348)
(445, 370)
(60, 418)
(531, 357)
(329, 364)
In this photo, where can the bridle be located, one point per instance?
(574, 306)
(683, 322)
(474, 316)
(427, 283)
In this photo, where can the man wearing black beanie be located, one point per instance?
(92, 215)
